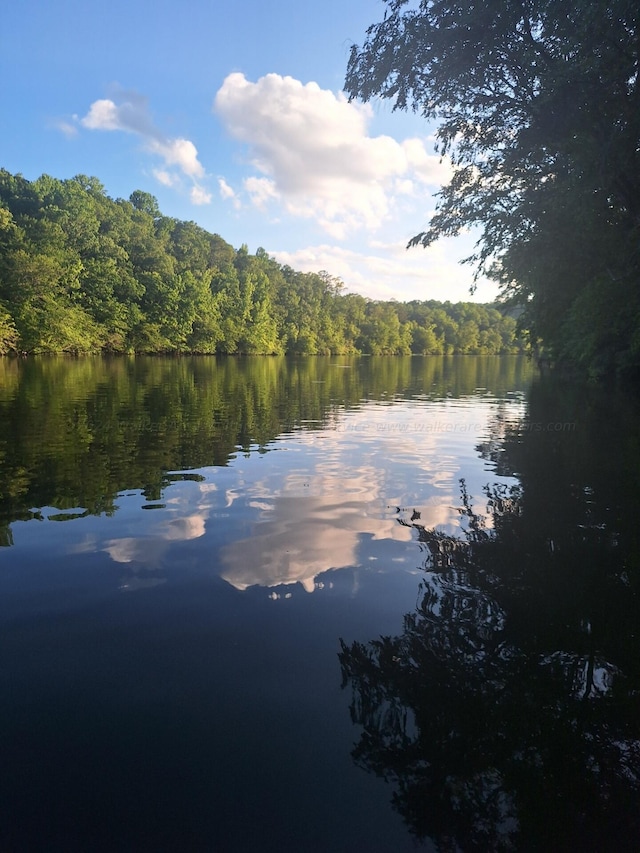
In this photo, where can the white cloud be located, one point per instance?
(199, 196)
(225, 190)
(103, 115)
(261, 190)
(405, 187)
(227, 193)
(65, 127)
(313, 153)
(179, 152)
(131, 115)
(427, 168)
(390, 271)
(165, 178)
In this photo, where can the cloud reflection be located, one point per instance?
(289, 518)
(320, 515)
(143, 555)
(149, 549)
(298, 539)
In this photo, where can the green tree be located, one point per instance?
(382, 333)
(80, 272)
(423, 339)
(146, 203)
(538, 107)
(8, 333)
(258, 332)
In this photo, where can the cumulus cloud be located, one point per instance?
(131, 115)
(434, 273)
(313, 153)
(103, 115)
(181, 153)
(261, 190)
(199, 196)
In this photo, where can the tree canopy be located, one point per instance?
(538, 107)
(80, 272)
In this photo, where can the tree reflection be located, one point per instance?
(506, 712)
(74, 433)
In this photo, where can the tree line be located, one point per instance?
(81, 272)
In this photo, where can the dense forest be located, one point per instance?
(82, 273)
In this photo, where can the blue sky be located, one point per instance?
(232, 115)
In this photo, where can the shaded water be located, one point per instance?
(199, 551)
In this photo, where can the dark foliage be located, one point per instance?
(538, 105)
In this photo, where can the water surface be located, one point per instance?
(202, 555)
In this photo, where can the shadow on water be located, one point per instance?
(506, 714)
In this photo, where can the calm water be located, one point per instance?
(317, 605)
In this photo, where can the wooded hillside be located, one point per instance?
(81, 273)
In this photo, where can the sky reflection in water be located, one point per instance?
(311, 503)
(191, 540)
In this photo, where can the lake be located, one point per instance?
(324, 604)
